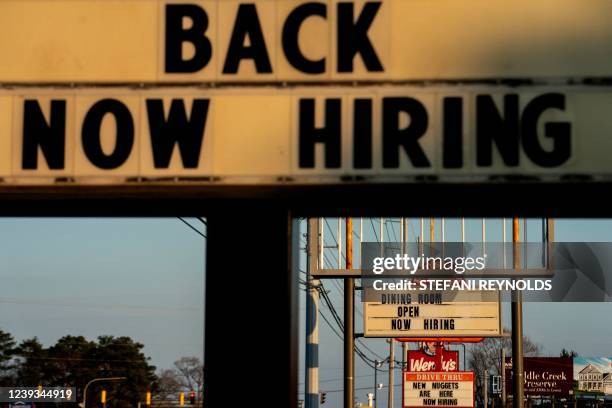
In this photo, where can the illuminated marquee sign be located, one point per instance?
(229, 116)
(439, 389)
(308, 134)
(443, 360)
(433, 314)
(152, 41)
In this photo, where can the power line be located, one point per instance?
(337, 285)
(387, 229)
(363, 388)
(394, 229)
(340, 324)
(113, 306)
(81, 359)
(367, 348)
(340, 379)
(333, 237)
(358, 352)
(330, 325)
(192, 227)
(327, 259)
(374, 229)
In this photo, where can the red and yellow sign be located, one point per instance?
(438, 389)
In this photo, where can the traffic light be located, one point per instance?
(148, 398)
(182, 398)
(192, 398)
(322, 396)
(103, 397)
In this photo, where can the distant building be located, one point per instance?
(590, 378)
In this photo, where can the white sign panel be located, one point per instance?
(471, 314)
(303, 134)
(122, 41)
(439, 389)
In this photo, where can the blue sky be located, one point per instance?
(141, 278)
(144, 278)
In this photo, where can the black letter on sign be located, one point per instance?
(176, 35)
(50, 137)
(491, 127)
(362, 134)
(291, 46)
(353, 37)
(408, 137)
(188, 133)
(90, 134)
(559, 132)
(329, 135)
(452, 150)
(247, 23)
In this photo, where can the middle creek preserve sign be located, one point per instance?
(306, 131)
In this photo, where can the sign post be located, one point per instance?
(274, 231)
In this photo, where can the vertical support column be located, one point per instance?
(251, 290)
(432, 229)
(404, 368)
(550, 239)
(391, 373)
(404, 241)
(376, 362)
(503, 374)
(517, 324)
(486, 388)
(349, 322)
(312, 317)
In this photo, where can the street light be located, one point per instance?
(82, 404)
(376, 385)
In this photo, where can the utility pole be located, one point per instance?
(376, 383)
(404, 358)
(486, 388)
(550, 238)
(391, 371)
(432, 229)
(404, 343)
(503, 376)
(349, 322)
(517, 325)
(314, 246)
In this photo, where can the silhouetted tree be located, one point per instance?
(31, 363)
(486, 355)
(7, 367)
(190, 373)
(123, 357)
(565, 353)
(74, 361)
(186, 375)
(168, 385)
